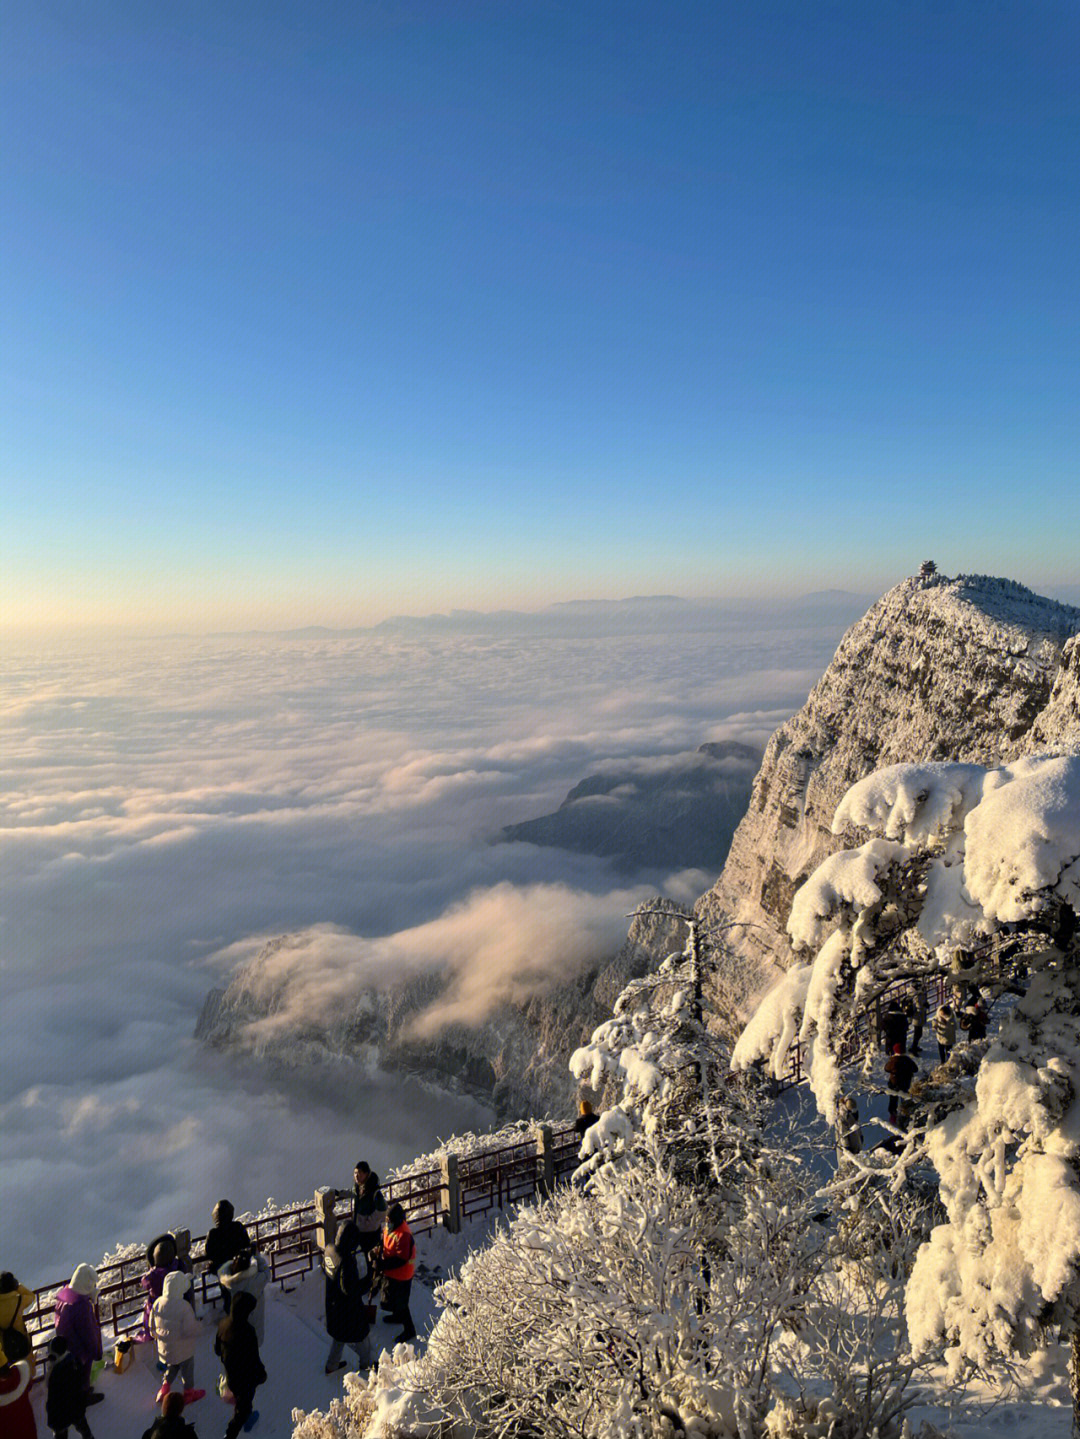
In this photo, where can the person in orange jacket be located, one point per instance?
(397, 1264)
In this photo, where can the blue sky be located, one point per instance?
(320, 313)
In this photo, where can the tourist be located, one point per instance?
(586, 1118)
(224, 1241)
(346, 1312)
(369, 1211)
(945, 1030)
(397, 1265)
(76, 1321)
(175, 1330)
(170, 1423)
(15, 1300)
(248, 1273)
(237, 1346)
(65, 1393)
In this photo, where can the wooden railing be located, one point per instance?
(493, 1178)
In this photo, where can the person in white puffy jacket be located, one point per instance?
(175, 1331)
(248, 1273)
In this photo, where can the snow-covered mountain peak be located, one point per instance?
(972, 668)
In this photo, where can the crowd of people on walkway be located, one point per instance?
(966, 1011)
(378, 1232)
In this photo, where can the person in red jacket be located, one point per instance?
(16, 1413)
(397, 1264)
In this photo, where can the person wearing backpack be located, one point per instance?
(397, 1264)
(237, 1346)
(65, 1394)
(248, 1273)
(15, 1300)
(162, 1257)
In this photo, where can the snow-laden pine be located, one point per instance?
(963, 853)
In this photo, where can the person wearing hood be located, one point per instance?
(16, 1412)
(248, 1273)
(175, 1330)
(346, 1312)
(76, 1321)
(15, 1300)
(237, 1346)
(224, 1241)
(65, 1394)
(170, 1422)
(162, 1257)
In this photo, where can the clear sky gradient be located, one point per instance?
(314, 313)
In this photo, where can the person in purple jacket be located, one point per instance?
(77, 1322)
(162, 1258)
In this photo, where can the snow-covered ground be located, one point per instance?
(296, 1348)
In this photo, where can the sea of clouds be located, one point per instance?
(169, 805)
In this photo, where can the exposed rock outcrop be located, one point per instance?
(971, 668)
(671, 814)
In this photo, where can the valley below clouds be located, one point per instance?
(169, 806)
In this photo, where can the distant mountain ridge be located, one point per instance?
(632, 611)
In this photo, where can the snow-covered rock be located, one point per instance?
(972, 669)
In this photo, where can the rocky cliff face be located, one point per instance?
(971, 668)
(516, 1059)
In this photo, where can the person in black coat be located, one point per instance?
(346, 1311)
(225, 1241)
(369, 1211)
(237, 1346)
(170, 1422)
(901, 1069)
(65, 1393)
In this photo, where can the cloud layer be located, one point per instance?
(164, 802)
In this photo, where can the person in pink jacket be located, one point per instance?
(175, 1330)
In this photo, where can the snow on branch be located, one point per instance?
(848, 878)
(1023, 839)
(772, 1030)
(915, 803)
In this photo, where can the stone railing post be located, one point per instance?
(183, 1242)
(325, 1223)
(545, 1156)
(451, 1193)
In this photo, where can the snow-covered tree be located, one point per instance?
(667, 1070)
(961, 853)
